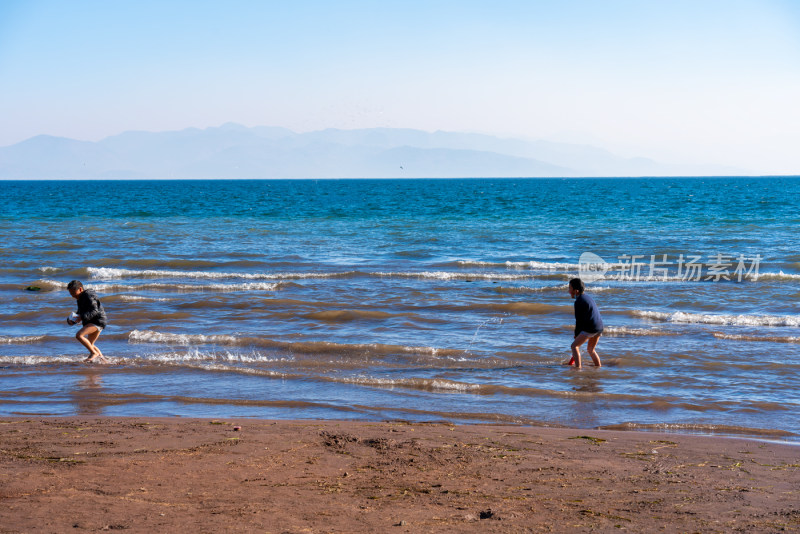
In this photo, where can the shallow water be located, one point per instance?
(415, 299)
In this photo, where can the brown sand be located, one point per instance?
(189, 475)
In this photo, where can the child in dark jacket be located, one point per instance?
(92, 317)
(588, 324)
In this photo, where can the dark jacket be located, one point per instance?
(587, 316)
(90, 309)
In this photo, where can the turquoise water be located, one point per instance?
(409, 299)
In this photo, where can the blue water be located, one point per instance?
(408, 299)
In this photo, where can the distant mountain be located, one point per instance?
(235, 151)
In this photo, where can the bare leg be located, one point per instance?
(576, 349)
(593, 353)
(93, 337)
(87, 336)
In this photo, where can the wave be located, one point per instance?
(526, 308)
(238, 363)
(349, 315)
(327, 368)
(186, 288)
(561, 288)
(179, 264)
(50, 285)
(614, 271)
(454, 386)
(134, 298)
(779, 276)
(183, 399)
(36, 316)
(40, 360)
(594, 289)
(20, 340)
(448, 275)
(302, 347)
(773, 339)
(108, 273)
(533, 265)
(694, 428)
(150, 336)
(424, 384)
(222, 363)
(529, 289)
(625, 331)
(117, 399)
(734, 320)
(215, 359)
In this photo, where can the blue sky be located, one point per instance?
(679, 81)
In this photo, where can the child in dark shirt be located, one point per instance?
(93, 319)
(588, 324)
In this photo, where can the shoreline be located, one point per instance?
(773, 435)
(188, 475)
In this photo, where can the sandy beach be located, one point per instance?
(200, 475)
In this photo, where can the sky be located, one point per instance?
(688, 82)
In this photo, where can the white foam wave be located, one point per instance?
(150, 336)
(538, 265)
(107, 273)
(198, 356)
(21, 340)
(245, 286)
(742, 337)
(39, 360)
(416, 383)
(132, 298)
(249, 371)
(543, 265)
(51, 284)
(471, 263)
(734, 320)
(613, 331)
(553, 289)
(779, 276)
(640, 278)
(313, 347)
(446, 275)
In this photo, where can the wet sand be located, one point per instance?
(193, 475)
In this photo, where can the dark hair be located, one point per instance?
(75, 284)
(577, 284)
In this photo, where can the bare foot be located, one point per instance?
(94, 357)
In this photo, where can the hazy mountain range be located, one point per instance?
(235, 151)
